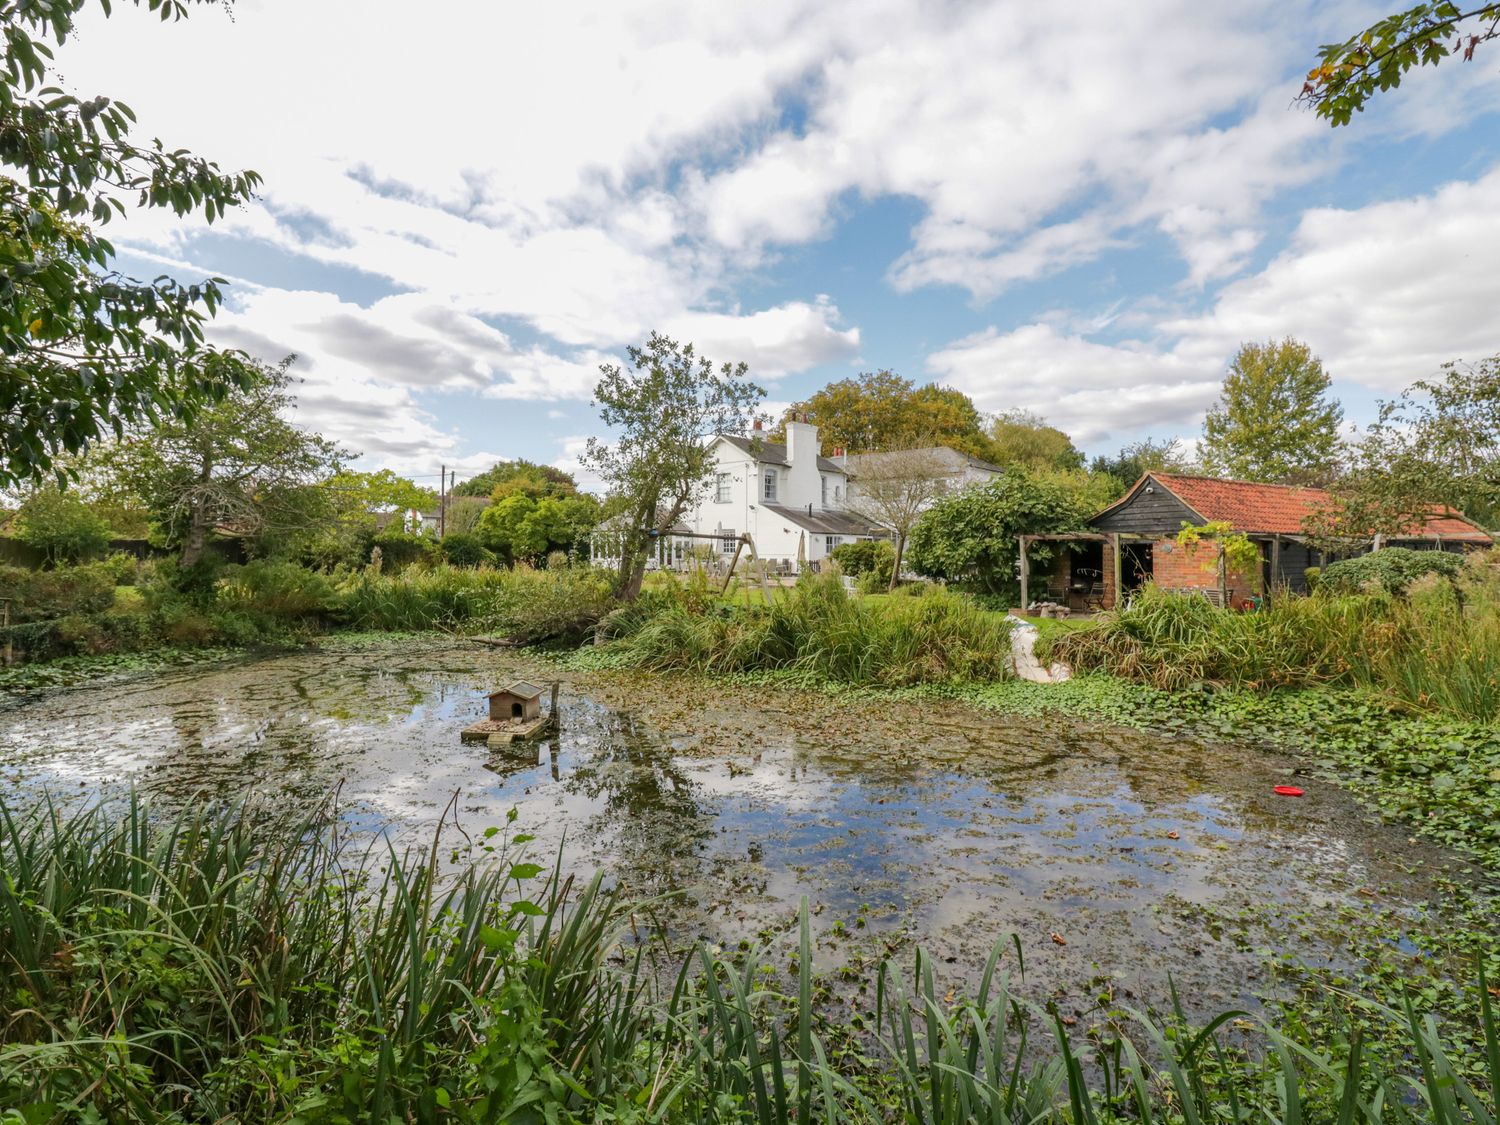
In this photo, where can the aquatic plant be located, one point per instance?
(819, 631)
(1435, 647)
(217, 967)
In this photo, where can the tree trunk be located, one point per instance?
(197, 536)
(896, 564)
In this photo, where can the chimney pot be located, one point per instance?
(757, 424)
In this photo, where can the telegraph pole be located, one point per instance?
(443, 501)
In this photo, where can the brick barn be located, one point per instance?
(1134, 541)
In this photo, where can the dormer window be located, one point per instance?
(768, 485)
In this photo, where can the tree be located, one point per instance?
(240, 462)
(61, 525)
(1135, 460)
(667, 405)
(84, 350)
(524, 529)
(520, 475)
(894, 488)
(970, 536)
(1348, 74)
(379, 491)
(1273, 421)
(1021, 438)
(1438, 443)
(880, 410)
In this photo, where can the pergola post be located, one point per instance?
(1114, 543)
(1275, 567)
(1025, 574)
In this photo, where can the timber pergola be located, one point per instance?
(1113, 538)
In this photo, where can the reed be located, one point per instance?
(214, 967)
(1436, 646)
(818, 631)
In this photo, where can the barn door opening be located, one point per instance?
(1136, 563)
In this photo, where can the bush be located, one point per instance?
(278, 593)
(865, 556)
(42, 595)
(463, 548)
(1391, 569)
(61, 526)
(400, 549)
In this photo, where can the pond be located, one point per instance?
(1106, 852)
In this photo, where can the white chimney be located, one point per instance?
(801, 441)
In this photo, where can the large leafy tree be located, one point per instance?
(1024, 439)
(1438, 444)
(240, 463)
(1274, 420)
(880, 410)
(380, 491)
(84, 350)
(665, 406)
(523, 528)
(519, 476)
(970, 536)
(1350, 73)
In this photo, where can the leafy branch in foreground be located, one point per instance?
(84, 349)
(1350, 73)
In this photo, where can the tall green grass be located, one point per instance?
(209, 968)
(1437, 646)
(820, 631)
(521, 602)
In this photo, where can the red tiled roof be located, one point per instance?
(1280, 509)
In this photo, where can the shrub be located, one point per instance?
(1391, 569)
(865, 556)
(61, 526)
(400, 549)
(276, 592)
(40, 595)
(463, 548)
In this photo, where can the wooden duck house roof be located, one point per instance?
(521, 689)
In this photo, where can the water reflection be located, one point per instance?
(954, 831)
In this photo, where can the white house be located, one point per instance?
(789, 498)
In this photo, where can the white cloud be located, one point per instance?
(1090, 390)
(1357, 285)
(773, 342)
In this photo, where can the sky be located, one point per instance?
(1081, 211)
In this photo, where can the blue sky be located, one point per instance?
(1080, 214)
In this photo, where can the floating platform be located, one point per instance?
(502, 732)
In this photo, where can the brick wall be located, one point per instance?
(1196, 568)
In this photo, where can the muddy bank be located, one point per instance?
(1106, 851)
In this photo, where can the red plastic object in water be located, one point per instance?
(1287, 791)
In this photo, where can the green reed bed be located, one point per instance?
(213, 968)
(818, 631)
(1436, 646)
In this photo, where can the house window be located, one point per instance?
(768, 485)
(823, 493)
(721, 488)
(830, 542)
(728, 540)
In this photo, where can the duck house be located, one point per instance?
(517, 702)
